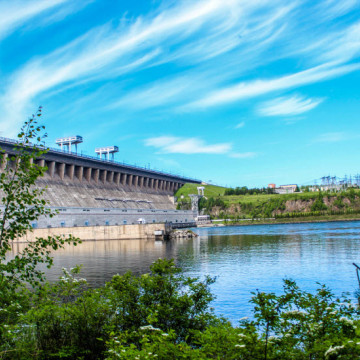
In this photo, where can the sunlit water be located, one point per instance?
(242, 258)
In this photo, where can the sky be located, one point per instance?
(231, 92)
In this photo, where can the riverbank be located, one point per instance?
(299, 220)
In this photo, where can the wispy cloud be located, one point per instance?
(334, 8)
(245, 155)
(187, 32)
(332, 137)
(256, 88)
(16, 13)
(202, 53)
(179, 145)
(286, 106)
(240, 125)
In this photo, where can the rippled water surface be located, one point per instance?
(243, 258)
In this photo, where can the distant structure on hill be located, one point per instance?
(284, 189)
(334, 183)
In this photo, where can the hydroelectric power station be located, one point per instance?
(97, 191)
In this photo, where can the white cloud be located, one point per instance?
(240, 125)
(208, 44)
(179, 145)
(335, 8)
(245, 155)
(285, 106)
(15, 13)
(332, 137)
(256, 88)
(188, 31)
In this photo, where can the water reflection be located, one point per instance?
(242, 258)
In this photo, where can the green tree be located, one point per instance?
(22, 203)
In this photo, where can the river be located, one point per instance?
(242, 258)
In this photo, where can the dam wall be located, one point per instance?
(121, 232)
(89, 191)
(74, 217)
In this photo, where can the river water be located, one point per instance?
(242, 258)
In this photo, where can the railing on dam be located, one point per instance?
(83, 156)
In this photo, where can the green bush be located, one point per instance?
(318, 204)
(165, 315)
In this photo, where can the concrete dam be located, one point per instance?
(90, 191)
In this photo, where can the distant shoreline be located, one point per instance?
(290, 221)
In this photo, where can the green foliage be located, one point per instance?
(69, 321)
(273, 205)
(165, 315)
(318, 204)
(351, 194)
(293, 325)
(210, 190)
(159, 299)
(23, 203)
(339, 202)
(300, 325)
(209, 204)
(252, 191)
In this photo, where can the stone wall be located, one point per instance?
(121, 232)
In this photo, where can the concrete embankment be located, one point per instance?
(116, 232)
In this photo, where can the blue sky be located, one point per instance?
(236, 92)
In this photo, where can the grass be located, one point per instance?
(210, 190)
(218, 191)
(261, 198)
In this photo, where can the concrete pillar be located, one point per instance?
(51, 168)
(146, 182)
(117, 177)
(88, 173)
(141, 181)
(41, 162)
(156, 184)
(123, 179)
(4, 160)
(61, 170)
(79, 171)
(70, 171)
(152, 183)
(135, 180)
(96, 175)
(110, 177)
(130, 178)
(103, 174)
(31, 160)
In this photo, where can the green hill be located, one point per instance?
(210, 190)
